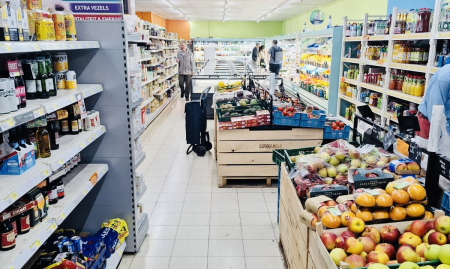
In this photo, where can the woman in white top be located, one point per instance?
(261, 61)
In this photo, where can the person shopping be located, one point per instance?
(255, 52)
(186, 66)
(261, 62)
(437, 93)
(274, 62)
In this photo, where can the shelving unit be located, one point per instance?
(386, 117)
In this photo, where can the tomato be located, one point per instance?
(291, 109)
(341, 124)
(291, 114)
(333, 126)
(280, 108)
(285, 113)
(338, 121)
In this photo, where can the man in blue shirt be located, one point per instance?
(438, 93)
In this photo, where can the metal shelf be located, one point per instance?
(78, 187)
(114, 260)
(39, 107)
(138, 134)
(142, 229)
(170, 65)
(38, 46)
(139, 196)
(149, 81)
(137, 103)
(166, 89)
(158, 111)
(140, 161)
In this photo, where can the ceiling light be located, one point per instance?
(274, 10)
(176, 9)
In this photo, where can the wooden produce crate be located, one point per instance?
(320, 254)
(247, 153)
(294, 234)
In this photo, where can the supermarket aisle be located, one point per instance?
(193, 223)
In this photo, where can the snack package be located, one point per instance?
(120, 226)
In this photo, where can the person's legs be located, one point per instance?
(187, 92)
(278, 68)
(272, 68)
(181, 82)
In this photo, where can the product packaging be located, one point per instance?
(404, 167)
(331, 191)
(363, 178)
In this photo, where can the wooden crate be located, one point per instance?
(247, 154)
(293, 233)
(311, 264)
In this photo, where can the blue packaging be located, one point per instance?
(16, 164)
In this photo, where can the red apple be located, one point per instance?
(392, 262)
(429, 225)
(408, 229)
(418, 228)
(389, 234)
(348, 234)
(437, 238)
(329, 240)
(386, 248)
(355, 261)
(353, 246)
(312, 169)
(420, 249)
(378, 257)
(409, 238)
(425, 237)
(331, 203)
(373, 233)
(407, 254)
(368, 243)
(442, 224)
(340, 242)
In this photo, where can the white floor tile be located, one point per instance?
(171, 197)
(258, 232)
(126, 262)
(149, 197)
(154, 180)
(162, 232)
(271, 197)
(253, 206)
(272, 207)
(225, 207)
(222, 219)
(197, 197)
(176, 180)
(174, 188)
(226, 248)
(226, 263)
(156, 248)
(261, 248)
(188, 263)
(264, 263)
(249, 189)
(150, 262)
(224, 197)
(199, 188)
(192, 232)
(190, 248)
(154, 188)
(157, 173)
(180, 172)
(270, 190)
(199, 207)
(225, 232)
(250, 197)
(164, 218)
(255, 219)
(195, 219)
(198, 180)
(168, 208)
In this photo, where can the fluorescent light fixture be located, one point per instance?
(274, 10)
(176, 9)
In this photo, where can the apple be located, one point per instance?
(338, 255)
(353, 153)
(392, 262)
(440, 266)
(331, 171)
(341, 177)
(343, 168)
(377, 257)
(432, 253)
(356, 225)
(386, 248)
(340, 242)
(364, 255)
(419, 228)
(331, 203)
(324, 156)
(347, 234)
(429, 225)
(355, 261)
(420, 249)
(353, 246)
(384, 159)
(368, 243)
(444, 254)
(319, 164)
(340, 154)
(408, 265)
(401, 167)
(312, 169)
(442, 224)
(364, 165)
(413, 166)
(377, 266)
(334, 161)
(407, 254)
(409, 238)
(407, 229)
(323, 172)
(315, 220)
(329, 240)
(316, 149)
(371, 160)
(355, 163)
(437, 238)
(425, 237)
(328, 180)
(389, 234)
(373, 233)
(381, 163)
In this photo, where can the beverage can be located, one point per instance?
(89, 124)
(63, 238)
(97, 119)
(69, 246)
(77, 243)
(60, 63)
(71, 32)
(58, 246)
(60, 26)
(71, 80)
(60, 80)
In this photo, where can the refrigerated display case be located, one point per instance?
(290, 46)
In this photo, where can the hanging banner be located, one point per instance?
(317, 17)
(89, 10)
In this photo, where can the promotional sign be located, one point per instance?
(89, 10)
(317, 17)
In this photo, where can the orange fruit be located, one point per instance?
(415, 210)
(390, 188)
(345, 217)
(354, 208)
(397, 213)
(322, 211)
(384, 200)
(365, 215)
(331, 221)
(417, 192)
(428, 215)
(411, 180)
(380, 191)
(380, 214)
(400, 196)
(366, 200)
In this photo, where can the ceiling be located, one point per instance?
(238, 10)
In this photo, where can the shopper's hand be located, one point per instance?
(178, 60)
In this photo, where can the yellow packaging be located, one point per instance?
(60, 62)
(45, 29)
(34, 4)
(71, 80)
(60, 80)
(71, 32)
(60, 26)
(118, 225)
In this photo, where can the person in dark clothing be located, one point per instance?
(255, 53)
(274, 63)
(186, 67)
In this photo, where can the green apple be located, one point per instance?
(432, 253)
(444, 254)
(338, 255)
(427, 267)
(377, 266)
(334, 161)
(443, 266)
(409, 265)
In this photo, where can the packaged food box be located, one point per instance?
(225, 125)
(375, 178)
(263, 114)
(313, 204)
(404, 167)
(331, 191)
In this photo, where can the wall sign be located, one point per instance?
(317, 17)
(90, 10)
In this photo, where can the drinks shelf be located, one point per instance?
(40, 46)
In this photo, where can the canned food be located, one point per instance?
(89, 124)
(69, 246)
(60, 26)
(60, 80)
(77, 243)
(71, 32)
(71, 80)
(60, 62)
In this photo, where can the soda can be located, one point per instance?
(68, 246)
(60, 80)
(71, 32)
(58, 246)
(89, 122)
(60, 63)
(71, 80)
(62, 238)
(77, 243)
(60, 25)
(97, 119)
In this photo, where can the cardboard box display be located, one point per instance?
(313, 204)
(16, 209)
(361, 181)
(344, 198)
(263, 114)
(226, 125)
(397, 166)
(16, 163)
(331, 191)
(306, 218)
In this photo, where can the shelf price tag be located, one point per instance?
(45, 173)
(38, 112)
(11, 198)
(402, 147)
(52, 228)
(55, 106)
(81, 145)
(84, 191)
(94, 179)
(35, 245)
(7, 124)
(61, 218)
(61, 162)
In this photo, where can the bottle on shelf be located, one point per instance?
(51, 78)
(4, 98)
(387, 29)
(43, 143)
(329, 25)
(41, 85)
(30, 74)
(21, 85)
(7, 236)
(53, 130)
(12, 98)
(13, 141)
(73, 121)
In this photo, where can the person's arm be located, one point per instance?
(437, 94)
(193, 63)
(255, 53)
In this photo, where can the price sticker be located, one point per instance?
(52, 228)
(73, 98)
(12, 267)
(36, 47)
(90, 140)
(82, 145)
(45, 174)
(55, 106)
(402, 147)
(7, 124)
(61, 217)
(91, 91)
(38, 112)
(94, 179)
(61, 162)
(95, 136)
(84, 191)
(35, 245)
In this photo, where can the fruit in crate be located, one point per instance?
(343, 168)
(329, 240)
(400, 196)
(365, 200)
(340, 241)
(442, 224)
(432, 252)
(373, 233)
(356, 225)
(389, 234)
(386, 248)
(353, 246)
(409, 238)
(407, 254)
(355, 261)
(437, 238)
(355, 163)
(416, 192)
(377, 257)
(365, 215)
(331, 221)
(418, 228)
(429, 225)
(444, 254)
(338, 255)
(420, 249)
(428, 215)
(425, 237)
(415, 210)
(384, 200)
(377, 266)
(408, 265)
(353, 153)
(368, 243)
(345, 217)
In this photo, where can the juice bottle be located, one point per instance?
(405, 83)
(413, 89)
(395, 53)
(400, 81)
(408, 85)
(421, 86)
(401, 54)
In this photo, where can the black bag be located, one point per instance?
(262, 63)
(193, 112)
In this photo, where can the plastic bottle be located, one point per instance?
(405, 83)
(421, 88)
(329, 25)
(358, 29)
(304, 27)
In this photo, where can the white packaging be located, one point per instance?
(12, 97)
(4, 99)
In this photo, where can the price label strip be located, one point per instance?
(7, 124)
(35, 245)
(61, 218)
(51, 229)
(38, 112)
(10, 198)
(45, 173)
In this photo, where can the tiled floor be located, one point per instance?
(193, 223)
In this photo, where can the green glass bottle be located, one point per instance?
(51, 78)
(41, 77)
